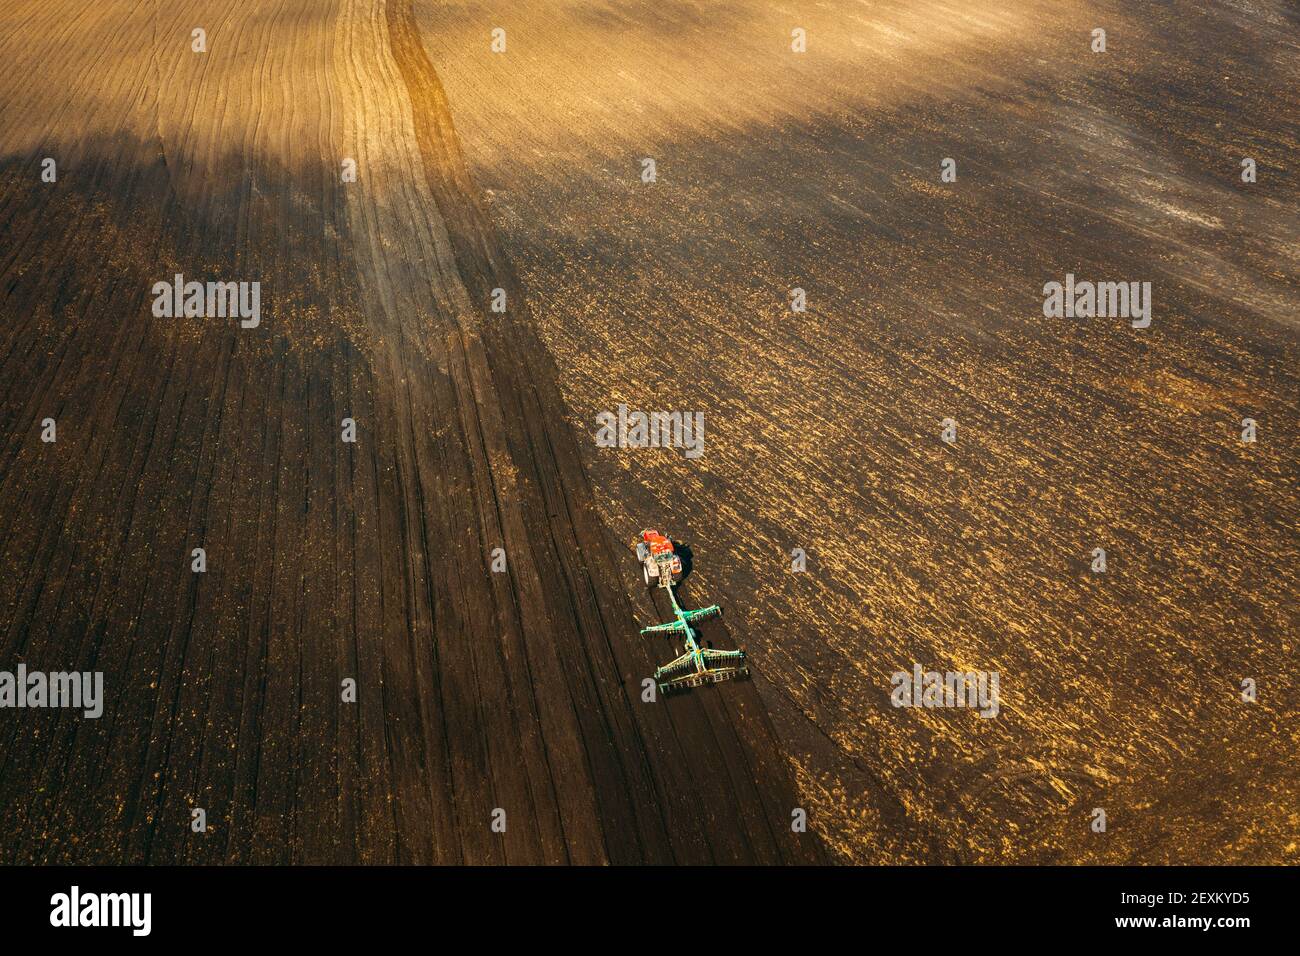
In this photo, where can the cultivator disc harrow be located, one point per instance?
(698, 665)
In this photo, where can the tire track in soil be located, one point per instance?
(690, 780)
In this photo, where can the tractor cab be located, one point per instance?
(659, 564)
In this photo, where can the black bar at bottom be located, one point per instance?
(334, 906)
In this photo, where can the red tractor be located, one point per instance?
(659, 564)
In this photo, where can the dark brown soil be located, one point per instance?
(326, 560)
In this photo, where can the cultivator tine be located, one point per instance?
(676, 668)
(672, 627)
(702, 678)
(703, 614)
(709, 654)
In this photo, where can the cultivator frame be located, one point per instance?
(698, 665)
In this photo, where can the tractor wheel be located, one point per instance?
(645, 573)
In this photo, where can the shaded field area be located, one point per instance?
(326, 561)
(821, 171)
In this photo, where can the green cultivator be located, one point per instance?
(698, 665)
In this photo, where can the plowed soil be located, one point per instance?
(476, 691)
(821, 170)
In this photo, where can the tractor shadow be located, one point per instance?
(684, 552)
